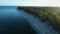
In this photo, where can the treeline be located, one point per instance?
(50, 14)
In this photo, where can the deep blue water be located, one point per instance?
(12, 21)
(8, 18)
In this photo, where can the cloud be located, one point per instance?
(41, 3)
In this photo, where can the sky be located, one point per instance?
(30, 2)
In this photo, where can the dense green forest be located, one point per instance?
(50, 14)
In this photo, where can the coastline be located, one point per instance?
(43, 15)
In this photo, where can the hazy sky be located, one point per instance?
(14, 2)
(30, 2)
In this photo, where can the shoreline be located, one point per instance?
(41, 17)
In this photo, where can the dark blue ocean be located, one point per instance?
(12, 21)
(8, 19)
